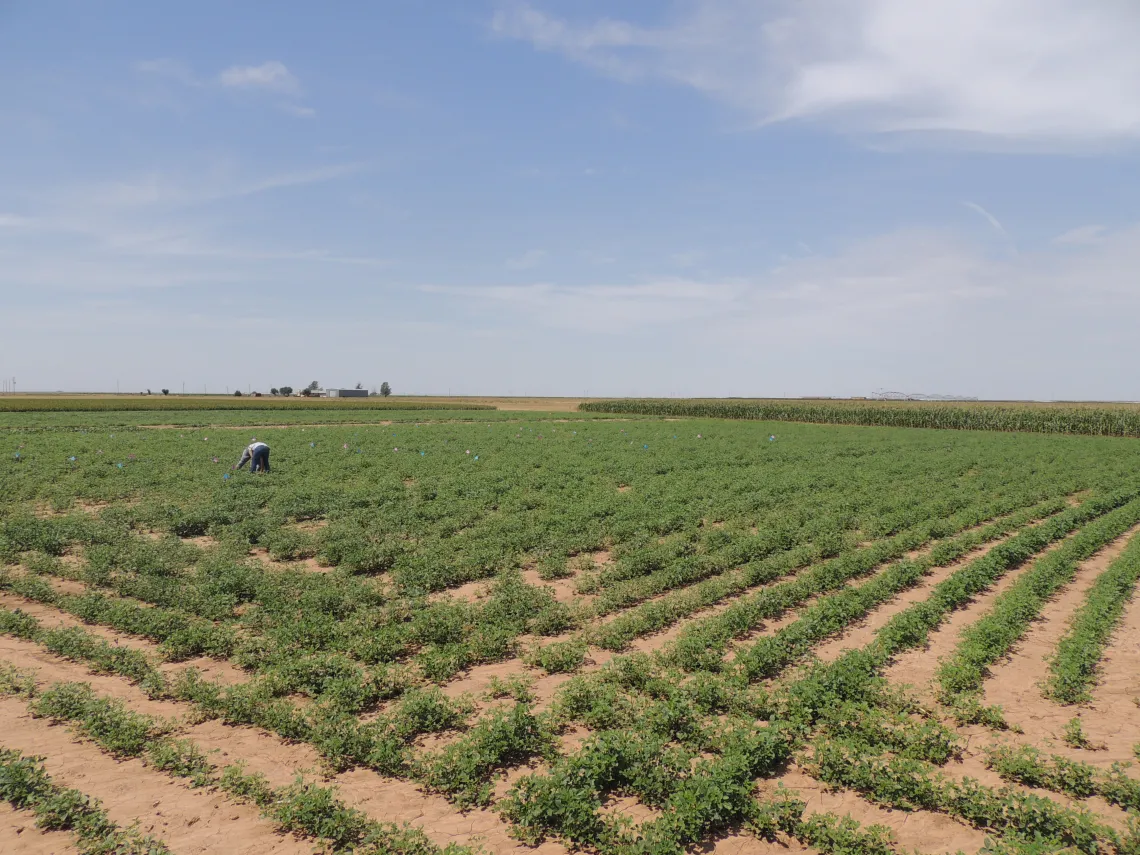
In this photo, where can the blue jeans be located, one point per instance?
(260, 460)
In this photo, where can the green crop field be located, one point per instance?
(636, 630)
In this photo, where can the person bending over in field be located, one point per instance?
(257, 453)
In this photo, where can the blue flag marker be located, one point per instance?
(120, 465)
(226, 477)
(72, 459)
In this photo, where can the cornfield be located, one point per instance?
(1032, 418)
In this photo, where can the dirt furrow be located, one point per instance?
(771, 627)
(384, 799)
(972, 765)
(924, 831)
(400, 801)
(51, 617)
(1113, 715)
(1014, 683)
(49, 668)
(740, 843)
(918, 667)
(863, 632)
(189, 821)
(19, 835)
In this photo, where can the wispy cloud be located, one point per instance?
(14, 221)
(989, 218)
(908, 280)
(1054, 73)
(299, 111)
(530, 258)
(272, 76)
(1082, 235)
(169, 68)
(171, 191)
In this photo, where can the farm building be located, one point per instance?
(347, 393)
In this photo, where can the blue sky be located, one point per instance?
(708, 197)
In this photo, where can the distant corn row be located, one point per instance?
(1093, 420)
(245, 402)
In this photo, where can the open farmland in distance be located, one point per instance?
(543, 632)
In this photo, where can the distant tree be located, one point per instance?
(359, 385)
(274, 392)
(306, 392)
(385, 389)
(286, 391)
(237, 393)
(257, 394)
(148, 391)
(314, 386)
(166, 391)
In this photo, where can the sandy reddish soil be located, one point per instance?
(1015, 683)
(863, 632)
(19, 835)
(198, 821)
(189, 821)
(920, 830)
(52, 618)
(382, 798)
(400, 801)
(747, 844)
(918, 667)
(308, 565)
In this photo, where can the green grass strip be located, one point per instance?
(993, 635)
(1073, 668)
(26, 785)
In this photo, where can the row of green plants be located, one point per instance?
(702, 645)
(769, 656)
(911, 627)
(444, 638)
(1059, 418)
(856, 674)
(828, 528)
(835, 567)
(993, 635)
(463, 770)
(845, 699)
(450, 526)
(1073, 665)
(26, 785)
(911, 784)
(1024, 764)
(303, 808)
